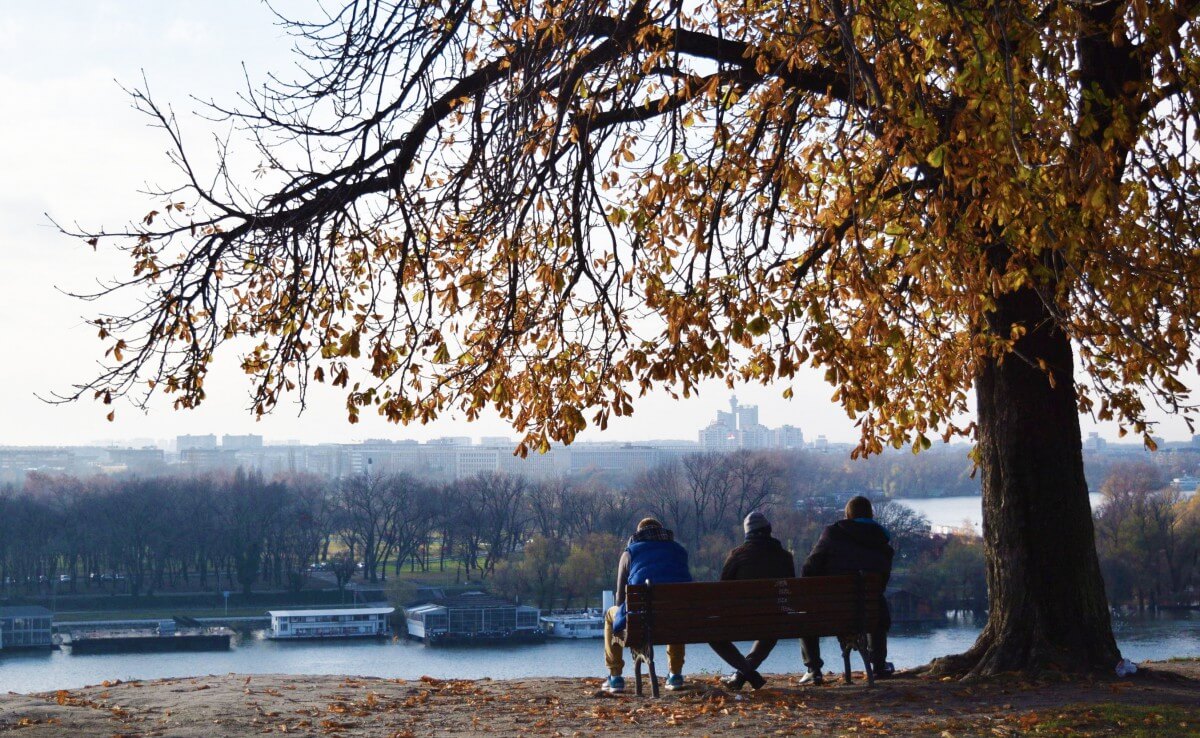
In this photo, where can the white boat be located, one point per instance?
(587, 624)
(344, 622)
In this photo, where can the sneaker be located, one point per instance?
(734, 683)
(614, 684)
(675, 682)
(885, 670)
(812, 677)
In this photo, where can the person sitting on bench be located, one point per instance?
(654, 555)
(855, 544)
(760, 557)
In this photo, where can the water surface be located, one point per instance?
(1139, 638)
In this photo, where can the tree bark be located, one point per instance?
(1047, 608)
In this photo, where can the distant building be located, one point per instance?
(624, 458)
(475, 460)
(207, 459)
(138, 460)
(788, 436)
(739, 428)
(241, 443)
(1095, 443)
(195, 443)
(25, 627)
(18, 461)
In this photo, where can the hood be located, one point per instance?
(651, 534)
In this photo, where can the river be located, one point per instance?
(957, 512)
(1140, 639)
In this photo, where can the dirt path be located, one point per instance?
(1161, 700)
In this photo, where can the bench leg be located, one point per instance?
(653, 676)
(637, 675)
(846, 664)
(866, 657)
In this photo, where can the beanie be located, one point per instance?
(755, 521)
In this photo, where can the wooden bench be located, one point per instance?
(846, 606)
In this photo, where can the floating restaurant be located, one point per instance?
(25, 627)
(473, 617)
(344, 622)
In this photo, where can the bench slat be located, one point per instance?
(705, 591)
(753, 622)
(843, 602)
(777, 631)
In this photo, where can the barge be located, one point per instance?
(167, 637)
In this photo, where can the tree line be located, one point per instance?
(552, 543)
(1148, 538)
(242, 531)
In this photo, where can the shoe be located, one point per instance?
(885, 670)
(756, 680)
(675, 682)
(812, 677)
(734, 683)
(614, 684)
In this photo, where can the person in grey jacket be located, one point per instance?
(761, 556)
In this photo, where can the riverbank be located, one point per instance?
(1163, 699)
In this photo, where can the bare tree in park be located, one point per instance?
(368, 510)
(547, 208)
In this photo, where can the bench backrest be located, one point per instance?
(701, 612)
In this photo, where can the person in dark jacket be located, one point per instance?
(652, 554)
(760, 557)
(855, 544)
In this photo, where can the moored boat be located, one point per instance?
(165, 638)
(586, 624)
(342, 622)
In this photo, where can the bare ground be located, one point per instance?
(1162, 699)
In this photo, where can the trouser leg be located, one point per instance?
(732, 656)
(614, 657)
(759, 653)
(675, 658)
(877, 639)
(810, 651)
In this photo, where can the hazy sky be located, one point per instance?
(72, 147)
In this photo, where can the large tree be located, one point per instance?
(545, 207)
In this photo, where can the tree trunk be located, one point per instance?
(1047, 607)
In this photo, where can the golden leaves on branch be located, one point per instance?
(855, 193)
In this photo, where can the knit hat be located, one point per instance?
(649, 523)
(755, 521)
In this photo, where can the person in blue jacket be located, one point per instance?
(857, 543)
(652, 554)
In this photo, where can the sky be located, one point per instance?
(73, 149)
